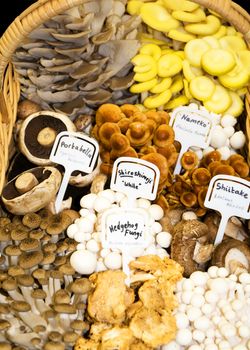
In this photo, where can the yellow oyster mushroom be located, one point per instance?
(217, 61)
(194, 50)
(134, 6)
(242, 92)
(181, 54)
(169, 65)
(177, 84)
(210, 26)
(165, 51)
(157, 17)
(212, 41)
(233, 43)
(142, 87)
(151, 50)
(237, 105)
(162, 85)
(186, 89)
(220, 101)
(189, 71)
(222, 31)
(236, 78)
(180, 34)
(147, 38)
(231, 30)
(183, 5)
(202, 88)
(145, 67)
(156, 101)
(181, 100)
(197, 15)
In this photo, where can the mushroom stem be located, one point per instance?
(15, 295)
(26, 291)
(23, 339)
(46, 137)
(48, 299)
(32, 320)
(25, 182)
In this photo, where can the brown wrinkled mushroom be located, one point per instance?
(33, 195)
(232, 254)
(190, 245)
(38, 132)
(26, 108)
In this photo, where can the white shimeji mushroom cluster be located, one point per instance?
(213, 312)
(90, 255)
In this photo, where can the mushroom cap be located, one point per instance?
(54, 346)
(36, 198)
(4, 325)
(20, 306)
(185, 236)
(81, 286)
(29, 259)
(222, 249)
(29, 145)
(25, 280)
(38, 294)
(65, 308)
(29, 244)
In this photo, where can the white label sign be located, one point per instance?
(192, 127)
(124, 228)
(230, 196)
(75, 151)
(135, 177)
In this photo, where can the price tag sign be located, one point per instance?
(192, 127)
(135, 177)
(229, 195)
(74, 151)
(125, 228)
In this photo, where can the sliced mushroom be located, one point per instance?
(232, 254)
(38, 132)
(36, 197)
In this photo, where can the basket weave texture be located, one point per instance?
(43, 10)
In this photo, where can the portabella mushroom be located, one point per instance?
(232, 254)
(31, 190)
(190, 245)
(38, 133)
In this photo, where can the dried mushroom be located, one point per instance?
(31, 190)
(38, 132)
(191, 246)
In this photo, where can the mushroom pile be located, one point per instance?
(42, 298)
(80, 59)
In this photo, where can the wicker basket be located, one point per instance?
(43, 10)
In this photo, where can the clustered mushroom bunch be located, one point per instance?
(190, 187)
(80, 59)
(126, 131)
(42, 299)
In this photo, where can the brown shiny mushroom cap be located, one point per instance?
(37, 234)
(28, 260)
(161, 162)
(79, 325)
(108, 112)
(38, 294)
(15, 271)
(55, 336)
(211, 157)
(129, 110)
(70, 337)
(12, 250)
(31, 220)
(27, 107)
(224, 169)
(20, 306)
(169, 152)
(60, 260)
(189, 160)
(241, 168)
(4, 221)
(201, 176)
(138, 134)
(4, 325)
(57, 223)
(18, 234)
(28, 244)
(48, 258)
(105, 132)
(188, 199)
(54, 346)
(9, 284)
(61, 297)
(119, 143)
(25, 280)
(35, 341)
(64, 308)
(163, 135)
(81, 286)
(66, 269)
(39, 273)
